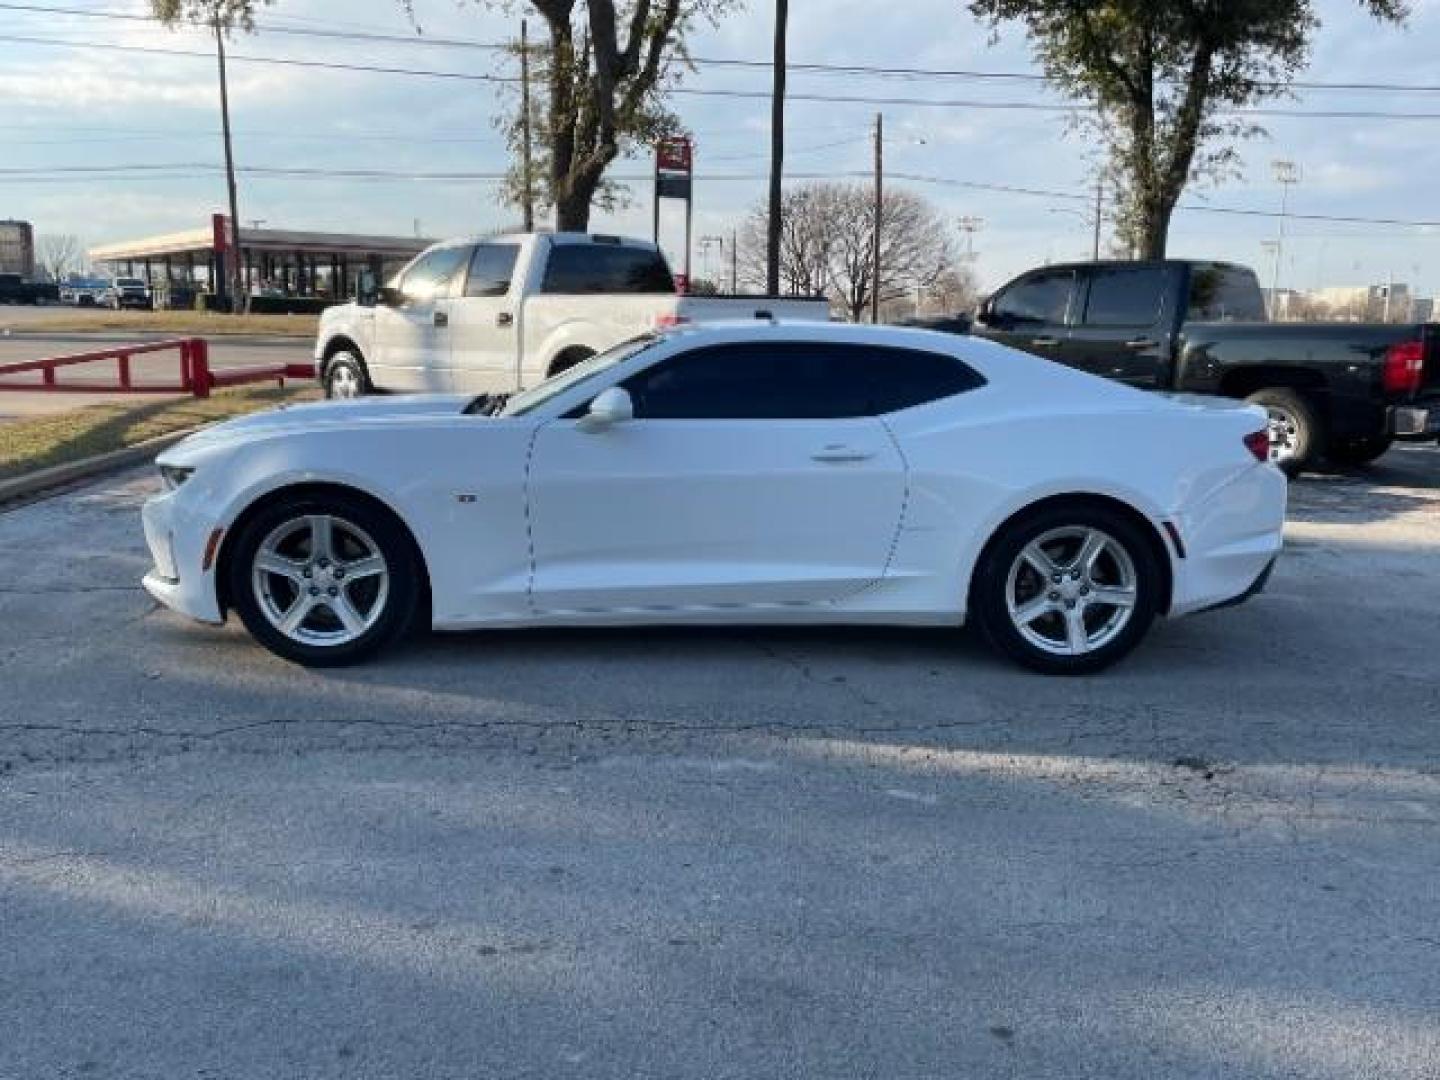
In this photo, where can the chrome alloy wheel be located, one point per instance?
(1284, 434)
(1072, 590)
(320, 580)
(344, 382)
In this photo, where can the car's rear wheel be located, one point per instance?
(345, 377)
(324, 580)
(1359, 451)
(1068, 590)
(1296, 431)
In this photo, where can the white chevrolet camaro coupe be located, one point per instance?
(740, 474)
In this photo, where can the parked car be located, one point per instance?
(1343, 391)
(84, 292)
(504, 313)
(14, 289)
(129, 293)
(732, 474)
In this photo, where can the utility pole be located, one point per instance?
(526, 159)
(237, 268)
(1099, 210)
(879, 215)
(1287, 174)
(734, 264)
(777, 150)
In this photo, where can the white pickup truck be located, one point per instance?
(498, 314)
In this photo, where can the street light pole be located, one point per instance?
(1287, 174)
(879, 215)
(527, 164)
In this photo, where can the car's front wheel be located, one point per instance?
(1067, 590)
(324, 580)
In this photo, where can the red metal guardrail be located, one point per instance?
(195, 375)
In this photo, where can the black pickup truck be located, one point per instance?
(1343, 391)
(14, 289)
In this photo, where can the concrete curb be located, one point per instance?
(44, 481)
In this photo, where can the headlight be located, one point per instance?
(175, 475)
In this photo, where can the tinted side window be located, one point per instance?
(796, 381)
(1042, 298)
(1221, 293)
(1125, 295)
(602, 268)
(491, 270)
(435, 275)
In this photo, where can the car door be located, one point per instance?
(484, 331)
(1031, 313)
(1122, 326)
(750, 477)
(412, 331)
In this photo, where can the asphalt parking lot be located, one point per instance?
(726, 853)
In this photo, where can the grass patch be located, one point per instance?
(28, 445)
(188, 323)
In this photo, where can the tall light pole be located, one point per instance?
(237, 269)
(1287, 174)
(527, 163)
(970, 226)
(879, 216)
(777, 149)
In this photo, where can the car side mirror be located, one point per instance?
(611, 407)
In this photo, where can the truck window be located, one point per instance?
(491, 269)
(1125, 295)
(576, 269)
(1042, 298)
(1221, 293)
(433, 275)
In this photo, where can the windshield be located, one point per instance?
(589, 371)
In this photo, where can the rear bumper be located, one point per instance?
(1232, 539)
(1418, 422)
(1256, 588)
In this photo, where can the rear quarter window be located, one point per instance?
(584, 269)
(1221, 293)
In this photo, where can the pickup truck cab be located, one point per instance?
(1344, 391)
(498, 314)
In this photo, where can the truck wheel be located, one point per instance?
(345, 377)
(1296, 431)
(568, 359)
(1359, 451)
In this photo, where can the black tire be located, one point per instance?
(1297, 431)
(1359, 451)
(990, 609)
(568, 359)
(346, 377)
(393, 609)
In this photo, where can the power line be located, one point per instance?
(763, 95)
(879, 70)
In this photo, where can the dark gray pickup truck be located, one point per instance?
(1343, 391)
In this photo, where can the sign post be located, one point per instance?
(674, 179)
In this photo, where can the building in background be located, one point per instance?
(17, 249)
(1393, 302)
(284, 269)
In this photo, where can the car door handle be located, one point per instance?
(504, 319)
(840, 454)
(442, 318)
(1045, 342)
(1142, 343)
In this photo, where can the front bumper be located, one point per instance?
(1421, 422)
(177, 538)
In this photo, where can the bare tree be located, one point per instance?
(826, 244)
(59, 254)
(956, 291)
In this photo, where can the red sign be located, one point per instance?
(675, 155)
(220, 226)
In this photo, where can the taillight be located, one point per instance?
(670, 320)
(1404, 367)
(1258, 443)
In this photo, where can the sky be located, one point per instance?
(73, 109)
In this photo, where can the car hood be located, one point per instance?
(358, 413)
